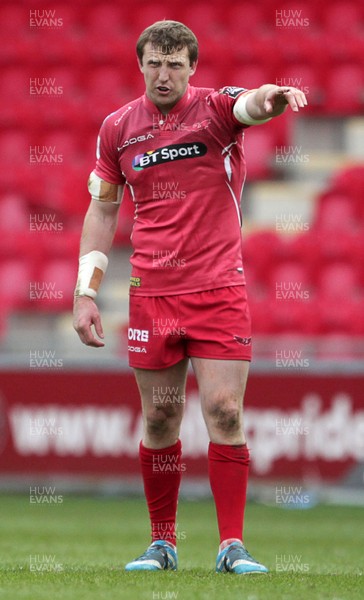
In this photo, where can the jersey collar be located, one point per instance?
(181, 104)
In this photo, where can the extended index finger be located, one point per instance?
(295, 98)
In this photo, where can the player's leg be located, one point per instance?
(222, 386)
(163, 399)
(162, 395)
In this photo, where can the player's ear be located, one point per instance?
(140, 65)
(193, 68)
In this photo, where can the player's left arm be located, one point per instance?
(266, 102)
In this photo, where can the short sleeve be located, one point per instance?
(224, 100)
(107, 159)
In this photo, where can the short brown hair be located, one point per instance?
(169, 36)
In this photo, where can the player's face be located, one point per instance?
(166, 75)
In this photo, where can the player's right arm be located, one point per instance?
(97, 236)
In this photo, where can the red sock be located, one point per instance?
(228, 473)
(161, 471)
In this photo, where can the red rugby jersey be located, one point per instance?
(186, 172)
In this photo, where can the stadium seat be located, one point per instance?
(339, 281)
(293, 315)
(348, 47)
(158, 11)
(14, 151)
(107, 90)
(259, 147)
(304, 248)
(14, 19)
(291, 298)
(108, 37)
(350, 182)
(57, 281)
(260, 250)
(60, 100)
(340, 315)
(13, 54)
(304, 76)
(66, 145)
(296, 16)
(244, 18)
(15, 277)
(343, 17)
(345, 89)
(289, 273)
(61, 189)
(248, 76)
(104, 20)
(14, 215)
(56, 241)
(296, 45)
(209, 77)
(58, 46)
(17, 100)
(335, 212)
(336, 245)
(262, 322)
(206, 21)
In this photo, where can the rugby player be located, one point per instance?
(187, 270)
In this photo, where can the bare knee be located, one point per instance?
(224, 414)
(160, 420)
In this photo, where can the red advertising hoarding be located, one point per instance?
(302, 427)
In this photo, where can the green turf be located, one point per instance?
(91, 540)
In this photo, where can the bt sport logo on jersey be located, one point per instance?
(169, 153)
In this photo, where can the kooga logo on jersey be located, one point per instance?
(168, 154)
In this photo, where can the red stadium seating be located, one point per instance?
(104, 20)
(338, 245)
(92, 58)
(343, 316)
(259, 145)
(344, 17)
(289, 274)
(107, 90)
(339, 281)
(260, 250)
(290, 302)
(209, 77)
(293, 316)
(350, 182)
(56, 285)
(304, 76)
(336, 212)
(244, 18)
(345, 89)
(248, 76)
(61, 189)
(206, 21)
(15, 277)
(14, 217)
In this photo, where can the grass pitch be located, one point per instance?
(76, 550)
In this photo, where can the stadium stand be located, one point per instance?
(90, 60)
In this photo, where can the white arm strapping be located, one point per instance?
(104, 191)
(241, 113)
(92, 267)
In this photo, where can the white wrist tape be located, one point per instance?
(92, 267)
(241, 113)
